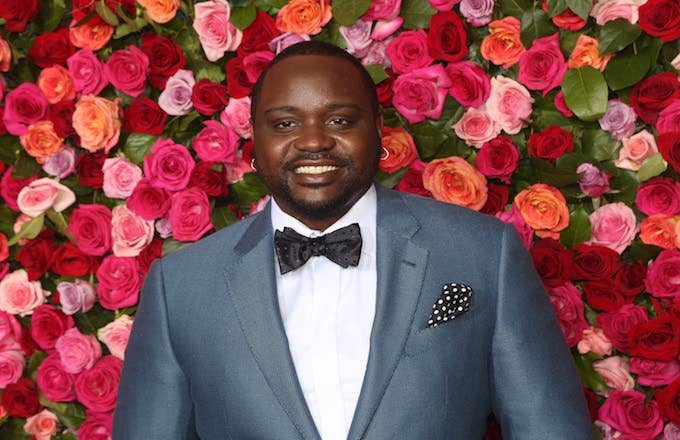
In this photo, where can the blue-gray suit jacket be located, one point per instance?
(208, 356)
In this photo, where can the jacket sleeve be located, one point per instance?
(536, 389)
(153, 397)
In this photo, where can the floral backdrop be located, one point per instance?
(124, 137)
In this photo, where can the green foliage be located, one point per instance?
(347, 12)
(377, 73)
(585, 92)
(428, 138)
(652, 167)
(51, 13)
(578, 230)
(514, 8)
(222, 216)
(598, 144)
(389, 180)
(416, 14)
(243, 16)
(535, 24)
(28, 230)
(616, 35)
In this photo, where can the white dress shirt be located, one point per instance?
(328, 313)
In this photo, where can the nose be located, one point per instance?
(313, 137)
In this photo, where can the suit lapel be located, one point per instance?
(401, 269)
(252, 287)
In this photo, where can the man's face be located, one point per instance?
(316, 138)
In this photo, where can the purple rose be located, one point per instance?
(594, 182)
(357, 37)
(61, 164)
(76, 296)
(287, 39)
(619, 119)
(175, 100)
(477, 12)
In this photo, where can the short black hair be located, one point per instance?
(316, 48)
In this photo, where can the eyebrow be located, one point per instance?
(331, 106)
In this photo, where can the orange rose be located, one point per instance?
(160, 11)
(454, 180)
(304, 16)
(41, 141)
(503, 46)
(5, 55)
(587, 53)
(92, 35)
(401, 150)
(660, 230)
(56, 83)
(97, 121)
(544, 209)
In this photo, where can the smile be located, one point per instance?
(314, 169)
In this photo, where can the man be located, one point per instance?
(233, 342)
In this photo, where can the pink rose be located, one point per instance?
(237, 115)
(12, 364)
(115, 335)
(164, 228)
(130, 233)
(87, 72)
(382, 10)
(619, 119)
(190, 214)
(498, 158)
(376, 54)
(593, 182)
(509, 104)
(408, 51)
(514, 218)
(632, 415)
(61, 164)
(671, 432)
(119, 282)
(24, 106)
(596, 341)
(635, 150)
(127, 70)
(443, 5)
(120, 177)
(254, 63)
(663, 275)
(76, 296)
(258, 206)
(477, 12)
(616, 373)
(542, 66)
(607, 10)
(42, 425)
(613, 225)
(168, 165)
(566, 300)
(97, 387)
(384, 29)
(91, 227)
(147, 201)
(216, 142)
(357, 37)
(18, 295)
(48, 324)
(286, 39)
(651, 373)
(43, 194)
(54, 382)
(217, 34)
(97, 426)
(659, 195)
(421, 93)
(10, 332)
(669, 118)
(175, 99)
(561, 105)
(476, 127)
(676, 62)
(77, 351)
(470, 84)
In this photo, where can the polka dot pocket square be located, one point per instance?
(453, 302)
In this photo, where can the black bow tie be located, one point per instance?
(342, 247)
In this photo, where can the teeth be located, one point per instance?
(314, 170)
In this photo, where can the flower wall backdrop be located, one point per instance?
(124, 136)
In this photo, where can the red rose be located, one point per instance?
(10, 187)
(61, 115)
(565, 20)
(447, 38)
(3, 129)
(593, 262)
(498, 158)
(165, 58)
(669, 401)
(81, 8)
(17, 13)
(602, 295)
(69, 261)
(412, 182)
(661, 18)
(36, 254)
(384, 89)
(20, 399)
(119, 282)
(566, 300)
(630, 280)
(209, 97)
(653, 94)
(145, 116)
(97, 387)
(55, 383)
(28, 345)
(238, 84)
(669, 147)
(658, 339)
(51, 48)
(148, 201)
(211, 177)
(258, 34)
(48, 324)
(552, 261)
(150, 253)
(497, 198)
(551, 143)
(89, 169)
(617, 325)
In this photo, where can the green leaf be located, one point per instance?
(70, 414)
(331, 34)
(13, 429)
(515, 8)
(171, 245)
(8, 218)
(247, 191)
(211, 71)
(616, 35)
(649, 50)
(127, 28)
(643, 252)
(138, 145)
(540, 170)
(33, 364)
(652, 167)
(51, 13)
(625, 70)
(535, 24)
(585, 92)
(106, 14)
(598, 144)
(578, 230)
(390, 180)
(580, 7)
(377, 73)
(270, 5)
(222, 216)
(242, 17)
(416, 14)
(591, 379)
(556, 7)
(428, 138)
(9, 149)
(58, 219)
(571, 161)
(624, 187)
(347, 12)
(25, 166)
(29, 230)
